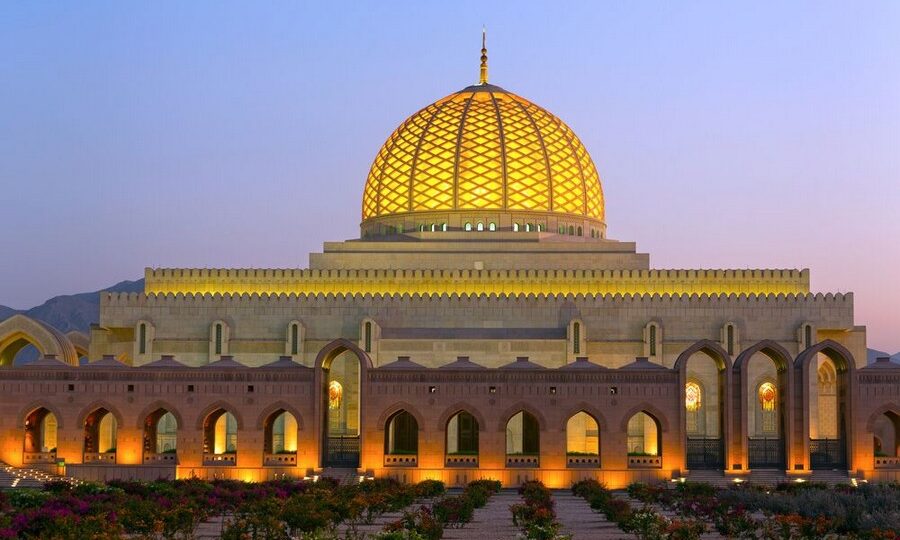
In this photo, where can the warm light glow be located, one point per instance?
(335, 395)
(767, 396)
(483, 148)
(693, 397)
(202, 281)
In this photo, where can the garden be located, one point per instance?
(278, 510)
(798, 510)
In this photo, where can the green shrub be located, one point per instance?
(430, 488)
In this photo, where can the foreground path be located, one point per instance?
(491, 522)
(579, 520)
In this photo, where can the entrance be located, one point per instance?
(341, 406)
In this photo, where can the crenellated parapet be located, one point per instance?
(475, 282)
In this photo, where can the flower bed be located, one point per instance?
(170, 510)
(536, 516)
(428, 522)
(644, 523)
(794, 510)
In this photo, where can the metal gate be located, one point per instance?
(827, 454)
(342, 452)
(765, 453)
(705, 453)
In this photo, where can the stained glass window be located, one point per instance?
(767, 396)
(693, 397)
(335, 395)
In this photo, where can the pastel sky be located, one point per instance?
(219, 134)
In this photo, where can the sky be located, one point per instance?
(221, 134)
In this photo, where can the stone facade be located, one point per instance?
(505, 350)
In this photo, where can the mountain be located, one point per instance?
(874, 354)
(73, 311)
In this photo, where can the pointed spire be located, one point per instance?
(484, 74)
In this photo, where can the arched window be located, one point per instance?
(142, 338)
(492, 226)
(522, 435)
(539, 227)
(462, 435)
(562, 229)
(40, 437)
(220, 434)
(368, 337)
(480, 226)
(582, 435)
(335, 395)
(767, 394)
(400, 228)
(693, 406)
(218, 338)
(515, 227)
(443, 227)
(468, 227)
(422, 227)
(576, 338)
(100, 434)
(653, 340)
(579, 231)
(807, 335)
(401, 435)
(571, 230)
(643, 435)
(433, 227)
(295, 339)
(281, 435)
(528, 227)
(729, 338)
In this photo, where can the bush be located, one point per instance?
(421, 522)
(491, 486)
(430, 488)
(453, 511)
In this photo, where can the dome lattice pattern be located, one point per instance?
(483, 148)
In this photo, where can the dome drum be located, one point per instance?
(484, 221)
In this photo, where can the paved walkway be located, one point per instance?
(579, 520)
(493, 521)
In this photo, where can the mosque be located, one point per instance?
(483, 325)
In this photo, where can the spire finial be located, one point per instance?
(484, 74)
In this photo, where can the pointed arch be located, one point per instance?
(155, 406)
(100, 404)
(225, 406)
(884, 409)
(588, 409)
(333, 349)
(649, 410)
(712, 349)
(274, 408)
(522, 406)
(772, 349)
(396, 408)
(20, 330)
(457, 408)
(35, 405)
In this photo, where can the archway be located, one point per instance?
(160, 437)
(644, 441)
(280, 445)
(100, 435)
(582, 441)
(401, 439)
(765, 380)
(41, 427)
(523, 440)
(462, 440)
(341, 368)
(220, 440)
(705, 370)
(19, 331)
(837, 363)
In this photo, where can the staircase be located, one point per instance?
(15, 477)
(767, 477)
(343, 476)
(832, 477)
(711, 477)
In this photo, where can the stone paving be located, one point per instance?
(581, 522)
(493, 521)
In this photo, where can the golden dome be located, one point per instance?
(483, 149)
